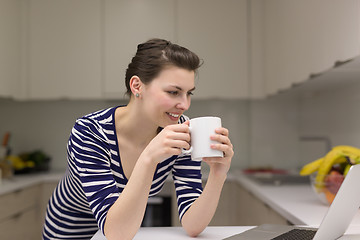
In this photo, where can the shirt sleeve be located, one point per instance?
(187, 179)
(89, 153)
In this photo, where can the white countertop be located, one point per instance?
(297, 203)
(210, 233)
(178, 233)
(26, 180)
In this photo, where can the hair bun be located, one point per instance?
(153, 43)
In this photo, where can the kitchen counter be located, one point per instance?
(297, 203)
(22, 181)
(210, 233)
(178, 233)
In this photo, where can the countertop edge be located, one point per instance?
(19, 182)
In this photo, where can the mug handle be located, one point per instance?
(184, 151)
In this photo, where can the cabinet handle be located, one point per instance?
(16, 192)
(16, 216)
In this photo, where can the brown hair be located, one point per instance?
(156, 54)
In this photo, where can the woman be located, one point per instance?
(120, 156)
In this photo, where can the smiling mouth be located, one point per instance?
(173, 115)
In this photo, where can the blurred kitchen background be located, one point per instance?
(283, 75)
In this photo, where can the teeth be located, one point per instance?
(174, 115)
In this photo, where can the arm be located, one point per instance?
(125, 215)
(199, 215)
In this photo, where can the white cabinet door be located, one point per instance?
(10, 11)
(307, 37)
(64, 49)
(128, 23)
(217, 31)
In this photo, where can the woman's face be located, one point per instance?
(168, 95)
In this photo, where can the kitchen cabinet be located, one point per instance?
(63, 59)
(126, 24)
(9, 46)
(238, 207)
(19, 214)
(251, 49)
(20, 227)
(225, 214)
(81, 49)
(304, 38)
(217, 32)
(23, 210)
(251, 211)
(47, 189)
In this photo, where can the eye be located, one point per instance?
(174, 93)
(190, 93)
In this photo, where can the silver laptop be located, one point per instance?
(334, 224)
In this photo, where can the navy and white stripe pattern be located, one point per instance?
(95, 179)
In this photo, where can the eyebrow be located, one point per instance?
(179, 88)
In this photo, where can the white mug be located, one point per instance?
(201, 129)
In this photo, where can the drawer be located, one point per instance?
(16, 202)
(21, 227)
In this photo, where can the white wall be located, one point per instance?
(334, 113)
(277, 123)
(274, 132)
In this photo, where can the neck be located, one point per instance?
(131, 124)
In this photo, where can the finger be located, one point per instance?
(222, 131)
(221, 139)
(187, 122)
(178, 131)
(181, 144)
(182, 136)
(179, 128)
(177, 142)
(226, 149)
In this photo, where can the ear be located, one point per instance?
(135, 84)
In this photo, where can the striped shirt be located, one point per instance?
(95, 179)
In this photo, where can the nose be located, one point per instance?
(184, 103)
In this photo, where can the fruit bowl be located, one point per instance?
(326, 190)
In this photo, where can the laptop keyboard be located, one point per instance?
(296, 234)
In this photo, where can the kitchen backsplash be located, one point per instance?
(264, 132)
(46, 125)
(279, 122)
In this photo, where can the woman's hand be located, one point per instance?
(221, 165)
(170, 141)
(199, 215)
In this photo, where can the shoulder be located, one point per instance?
(96, 122)
(101, 117)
